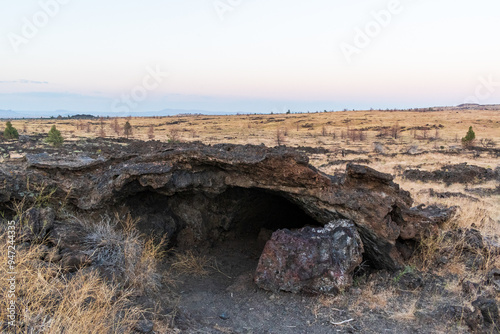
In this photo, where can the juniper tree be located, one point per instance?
(469, 138)
(54, 136)
(10, 132)
(127, 129)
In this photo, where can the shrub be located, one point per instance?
(54, 136)
(469, 138)
(123, 255)
(10, 132)
(174, 136)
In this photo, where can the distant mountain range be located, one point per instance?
(175, 112)
(68, 113)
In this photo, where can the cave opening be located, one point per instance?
(195, 219)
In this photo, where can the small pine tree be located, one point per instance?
(10, 132)
(54, 137)
(469, 138)
(127, 129)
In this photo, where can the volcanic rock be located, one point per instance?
(488, 308)
(310, 259)
(493, 278)
(459, 173)
(176, 173)
(36, 223)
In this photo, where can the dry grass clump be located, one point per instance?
(405, 313)
(372, 299)
(482, 214)
(122, 255)
(429, 248)
(50, 302)
(96, 299)
(458, 244)
(324, 306)
(478, 215)
(189, 263)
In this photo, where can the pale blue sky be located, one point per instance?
(250, 56)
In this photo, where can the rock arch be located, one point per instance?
(381, 211)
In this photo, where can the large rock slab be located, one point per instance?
(381, 211)
(317, 260)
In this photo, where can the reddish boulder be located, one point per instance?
(318, 260)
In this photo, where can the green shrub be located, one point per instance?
(54, 136)
(10, 132)
(469, 138)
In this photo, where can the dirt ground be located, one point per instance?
(225, 299)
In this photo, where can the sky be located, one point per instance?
(249, 56)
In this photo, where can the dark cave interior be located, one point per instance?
(236, 213)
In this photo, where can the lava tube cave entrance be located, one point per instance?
(200, 219)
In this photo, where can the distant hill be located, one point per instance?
(82, 116)
(476, 106)
(463, 106)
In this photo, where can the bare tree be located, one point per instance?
(151, 132)
(280, 139)
(487, 142)
(116, 127)
(356, 135)
(395, 131)
(102, 133)
(324, 131)
(362, 135)
(173, 135)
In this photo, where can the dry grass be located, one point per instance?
(373, 300)
(123, 253)
(428, 248)
(188, 263)
(407, 313)
(324, 305)
(50, 302)
(301, 129)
